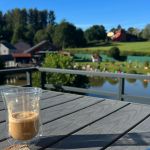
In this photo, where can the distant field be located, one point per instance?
(139, 47)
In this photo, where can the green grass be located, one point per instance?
(133, 47)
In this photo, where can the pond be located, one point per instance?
(132, 87)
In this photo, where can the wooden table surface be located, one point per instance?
(77, 122)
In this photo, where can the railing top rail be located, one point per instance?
(76, 72)
(16, 70)
(95, 73)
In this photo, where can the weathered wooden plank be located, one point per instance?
(62, 127)
(1, 106)
(68, 108)
(59, 111)
(57, 129)
(137, 137)
(49, 94)
(102, 133)
(129, 148)
(58, 100)
(46, 95)
(63, 110)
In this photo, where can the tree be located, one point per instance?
(41, 35)
(51, 31)
(65, 35)
(18, 34)
(95, 32)
(146, 32)
(80, 39)
(29, 34)
(42, 19)
(114, 52)
(51, 17)
(119, 27)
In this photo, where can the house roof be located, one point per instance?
(21, 46)
(21, 55)
(8, 45)
(36, 46)
(42, 46)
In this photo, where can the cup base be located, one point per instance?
(18, 147)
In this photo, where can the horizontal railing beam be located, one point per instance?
(95, 73)
(17, 70)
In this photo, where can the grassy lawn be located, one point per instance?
(139, 47)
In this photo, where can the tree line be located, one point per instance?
(33, 26)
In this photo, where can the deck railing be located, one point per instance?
(120, 94)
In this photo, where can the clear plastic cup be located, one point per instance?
(23, 119)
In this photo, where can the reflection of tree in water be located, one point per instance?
(145, 83)
(97, 81)
(131, 80)
(112, 81)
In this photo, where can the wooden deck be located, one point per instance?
(77, 122)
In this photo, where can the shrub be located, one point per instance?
(132, 72)
(146, 64)
(59, 61)
(114, 52)
(58, 79)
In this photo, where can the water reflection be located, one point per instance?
(16, 79)
(132, 86)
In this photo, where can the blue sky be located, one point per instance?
(85, 13)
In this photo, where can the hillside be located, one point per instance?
(129, 47)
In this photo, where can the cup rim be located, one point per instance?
(27, 90)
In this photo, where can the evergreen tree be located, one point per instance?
(51, 17)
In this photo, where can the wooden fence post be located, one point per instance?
(43, 80)
(121, 88)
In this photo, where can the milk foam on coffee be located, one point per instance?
(23, 125)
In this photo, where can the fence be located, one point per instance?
(121, 77)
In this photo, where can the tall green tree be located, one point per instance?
(95, 33)
(80, 39)
(51, 31)
(51, 17)
(41, 35)
(146, 32)
(42, 19)
(65, 35)
(1, 25)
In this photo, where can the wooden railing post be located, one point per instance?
(121, 88)
(29, 78)
(43, 80)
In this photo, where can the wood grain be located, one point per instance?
(103, 132)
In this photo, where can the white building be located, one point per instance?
(6, 50)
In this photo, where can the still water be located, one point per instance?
(132, 87)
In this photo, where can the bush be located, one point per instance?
(132, 72)
(114, 52)
(146, 64)
(59, 61)
(58, 79)
(36, 79)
